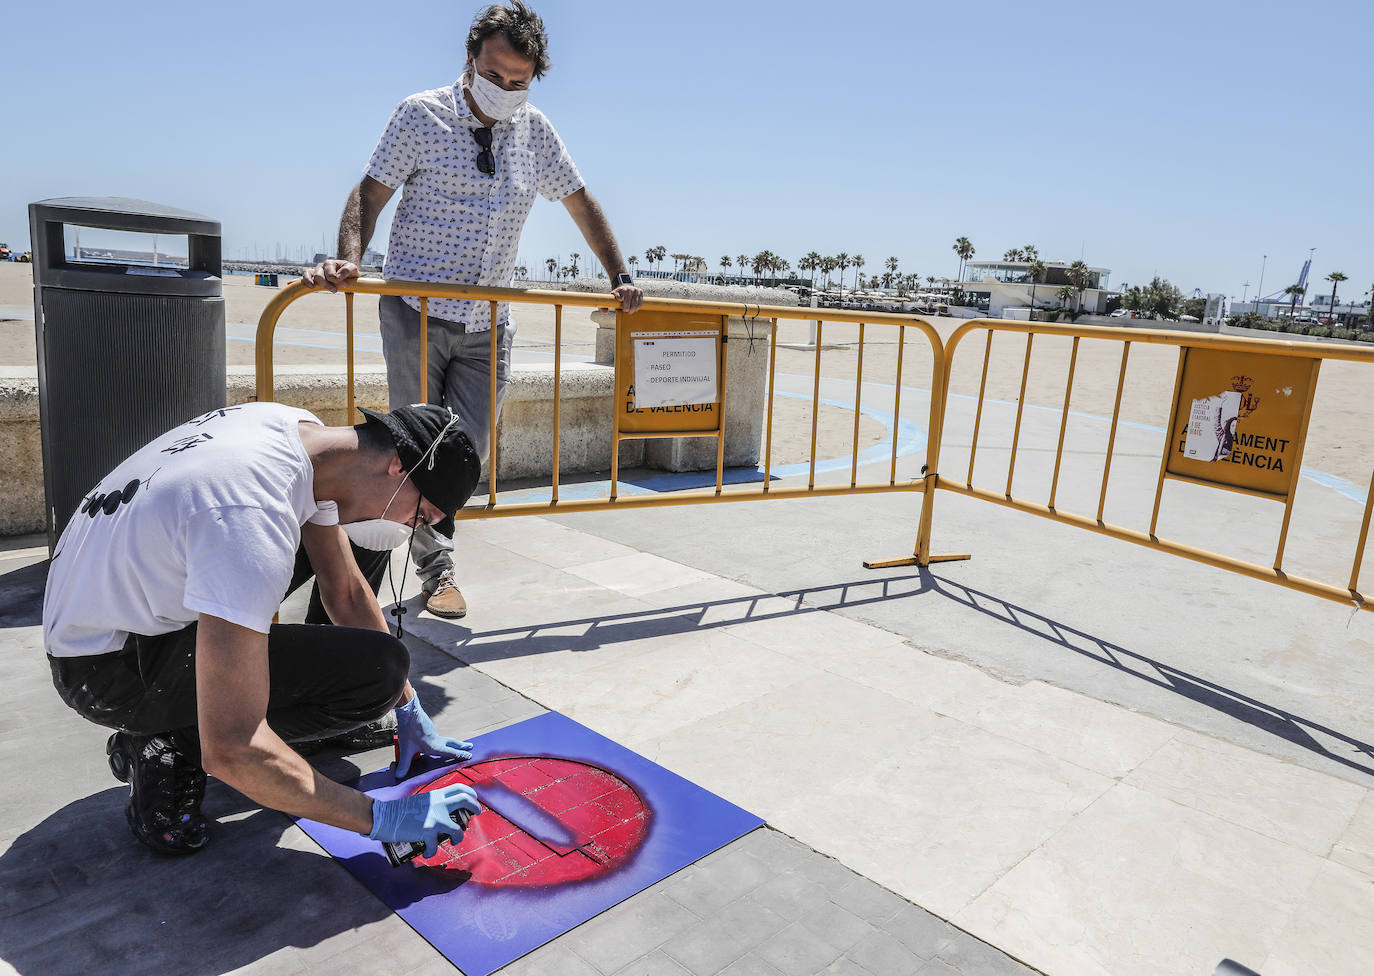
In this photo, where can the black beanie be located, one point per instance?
(445, 475)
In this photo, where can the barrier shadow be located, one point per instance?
(1271, 719)
(591, 633)
(21, 595)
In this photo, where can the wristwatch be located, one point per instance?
(622, 279)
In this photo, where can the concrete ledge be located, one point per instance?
(524, 433)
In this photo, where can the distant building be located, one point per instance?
(1317, 310)
(995, 286)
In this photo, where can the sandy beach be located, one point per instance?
(1341, 439)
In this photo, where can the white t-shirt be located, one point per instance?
(205, 519)
(456, 224)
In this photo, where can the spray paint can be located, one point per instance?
(401, 851)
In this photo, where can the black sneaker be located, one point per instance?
(373, 735)
(165, 792)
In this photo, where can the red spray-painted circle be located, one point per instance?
(545, 821)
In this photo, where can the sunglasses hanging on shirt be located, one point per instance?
(486, 162)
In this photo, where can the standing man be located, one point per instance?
(469, 159)
(157, 618)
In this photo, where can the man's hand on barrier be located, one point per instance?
(630, 298)
(423, 816)
(330, 273)
(416, 735)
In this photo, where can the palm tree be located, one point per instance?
(1012, 255)
(811, 262)
(632, 261)
(1335, 278)
(1030, 253)
(1037, 275)
(828, 264)
(742, 262)
(1079, 275)
(572, 262)
(858, 262)
(842, 261)
(1295, 291)
(552, 265)
(964, 248)
(522, 272)
(1064, 293)
(724, 263)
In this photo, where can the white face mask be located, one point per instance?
(380, 534)
(493, 100)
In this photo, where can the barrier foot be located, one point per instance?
(914, 561)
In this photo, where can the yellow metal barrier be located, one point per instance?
(720, 312)
(1205, 361)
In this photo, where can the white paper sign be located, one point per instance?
(1212, 427)
(674, 369)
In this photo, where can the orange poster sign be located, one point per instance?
(669, 372)
(1240, 419)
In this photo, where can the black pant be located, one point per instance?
(323, 679)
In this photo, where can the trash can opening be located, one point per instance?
(133, 249)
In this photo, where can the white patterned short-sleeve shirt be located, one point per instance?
(456, 224)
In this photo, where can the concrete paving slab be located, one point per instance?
(1280, 800)
(638, 574)
(542, 540)
(1140, 885)
(1355, 849)
(675, 682)
(1317, 939)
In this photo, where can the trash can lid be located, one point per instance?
(127, 213)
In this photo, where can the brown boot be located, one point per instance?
(444, 599)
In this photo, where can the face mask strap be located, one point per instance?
(398, 609)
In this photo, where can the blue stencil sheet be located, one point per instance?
(482, 922)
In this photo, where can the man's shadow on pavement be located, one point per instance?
(78, 894)
(21, 595)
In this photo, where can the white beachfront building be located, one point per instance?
(995, 286)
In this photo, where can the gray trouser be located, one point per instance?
(459, 370)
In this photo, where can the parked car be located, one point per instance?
(4, 252)
(1120, 313)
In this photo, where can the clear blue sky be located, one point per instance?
(1186, 139)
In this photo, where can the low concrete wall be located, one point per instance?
(21, 476)
(524, 433)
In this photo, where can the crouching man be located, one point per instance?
(157, 618)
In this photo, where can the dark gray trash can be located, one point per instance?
(126, 350)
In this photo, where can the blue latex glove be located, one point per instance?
(424, 816)
(415, 733)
